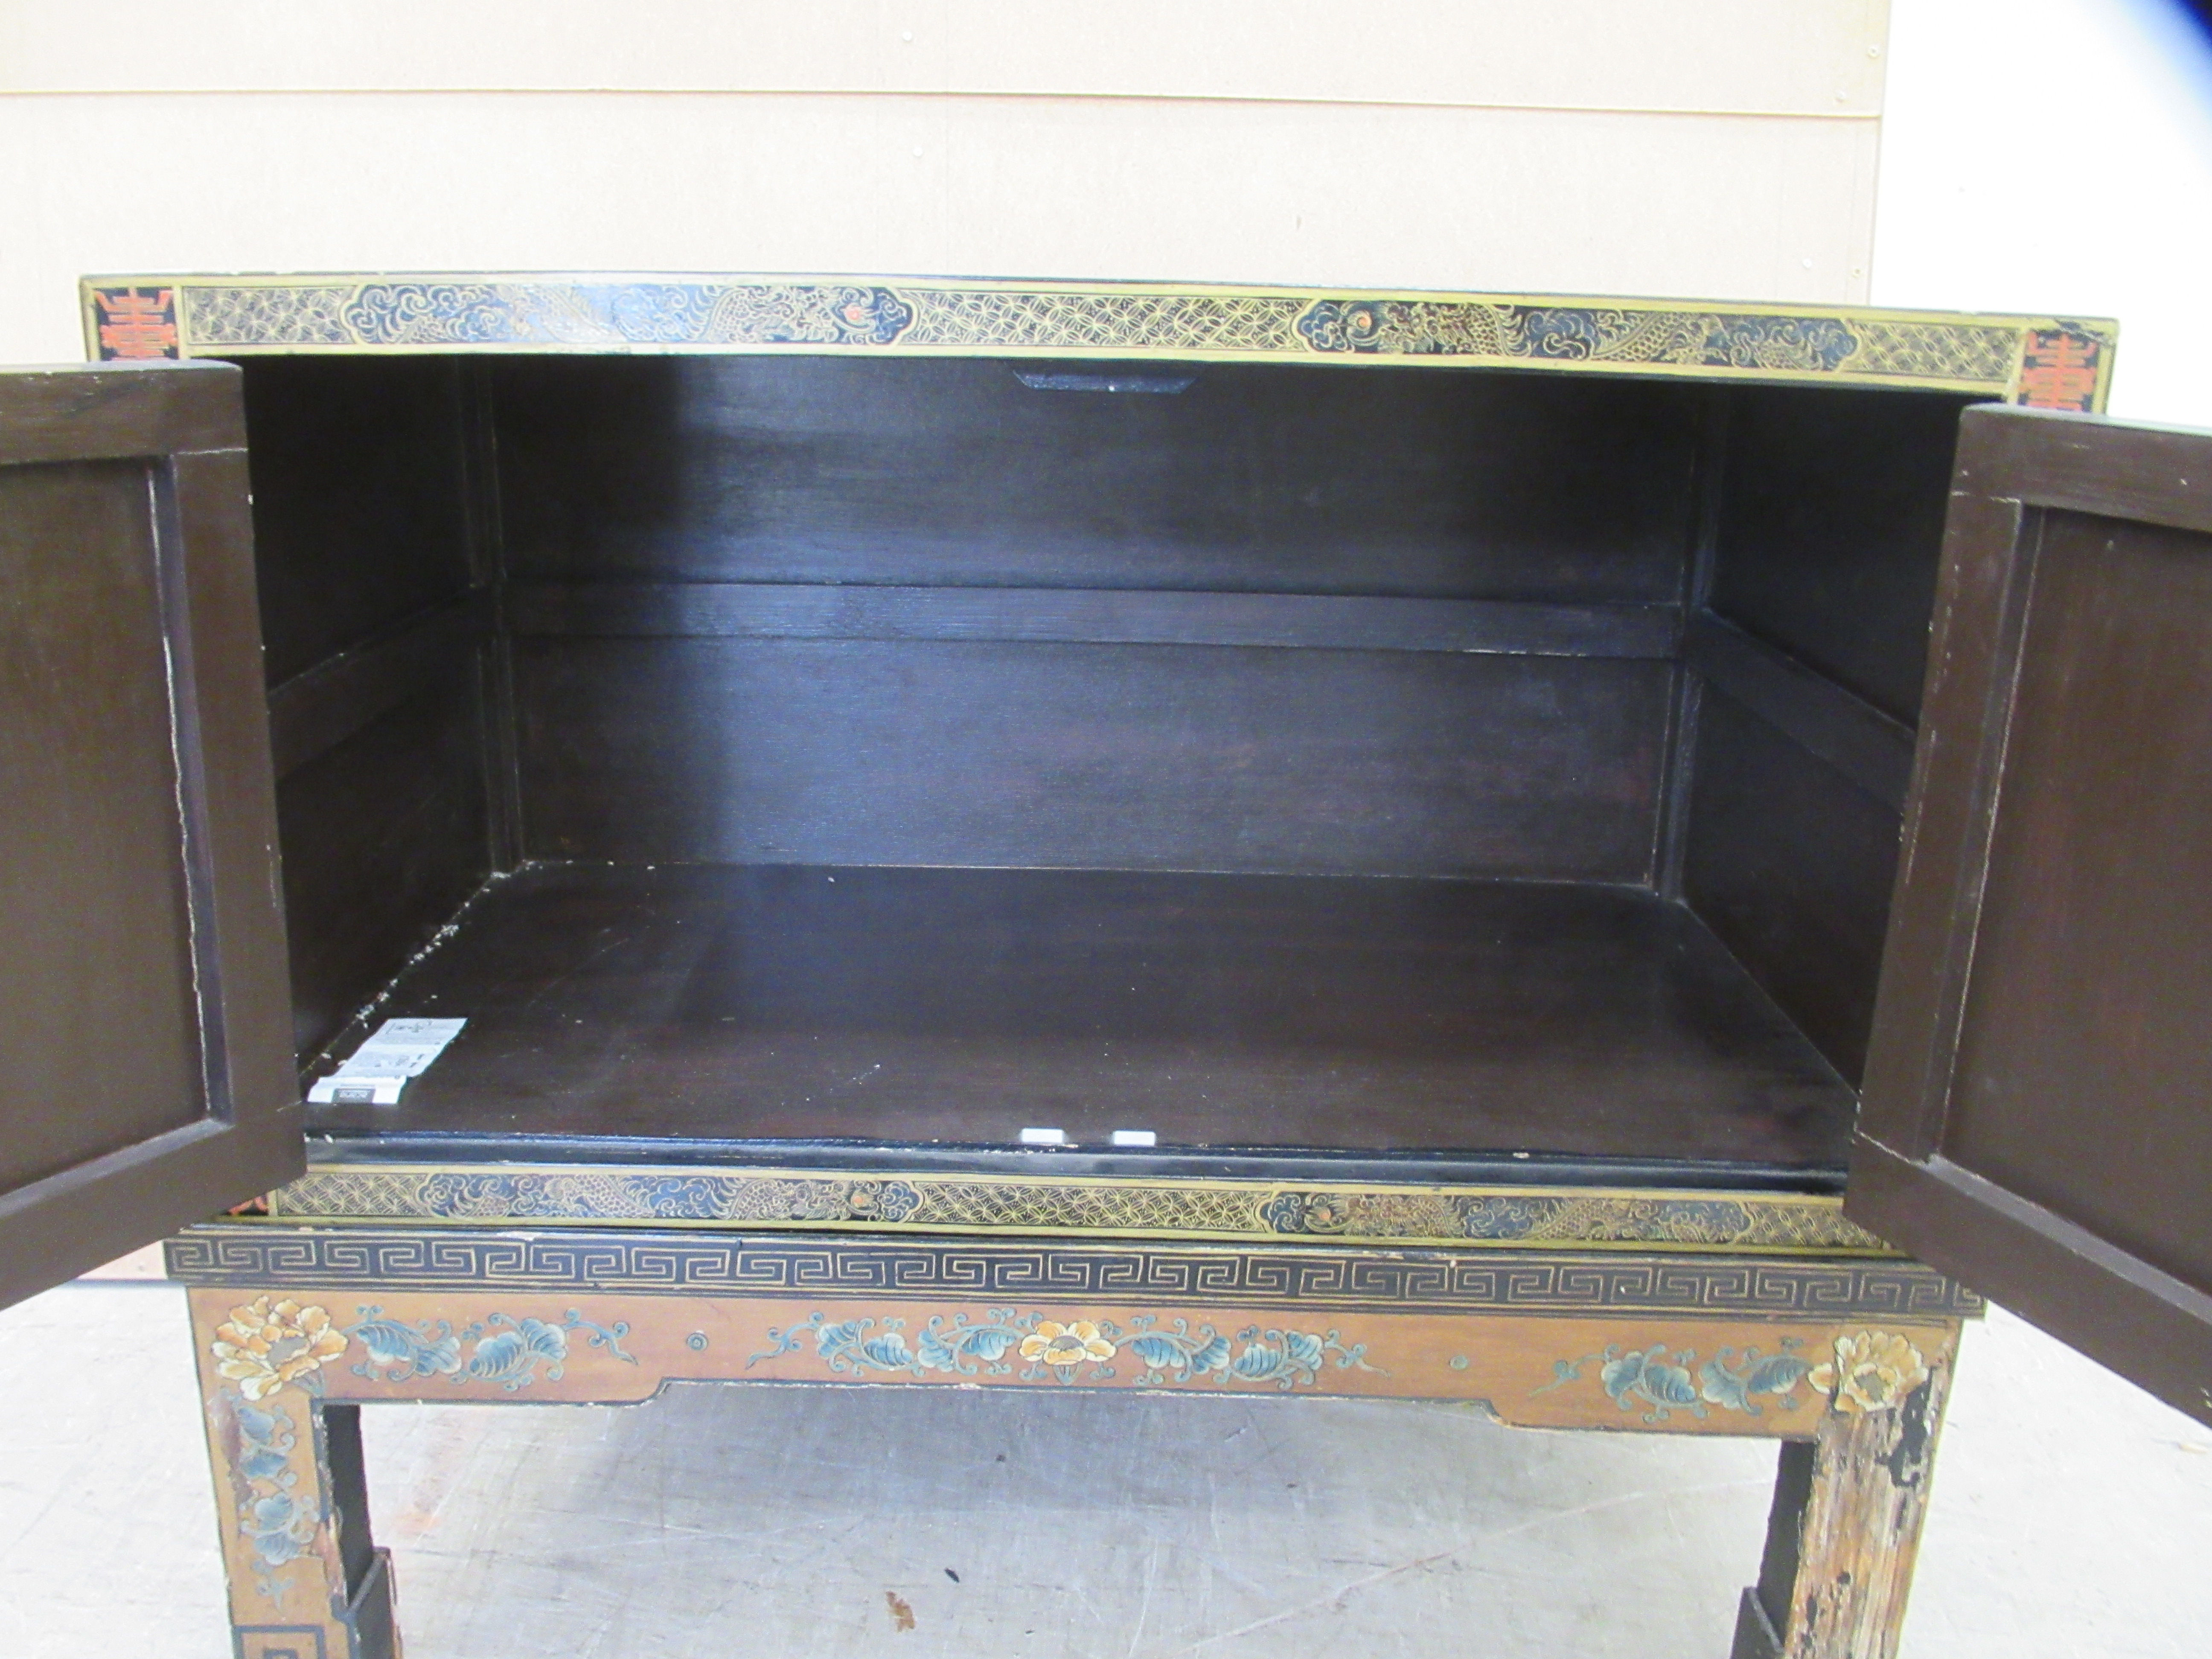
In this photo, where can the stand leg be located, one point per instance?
(1844, 1531)
(306, 1581)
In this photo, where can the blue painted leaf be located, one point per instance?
(989, 1342)
(1160, 1351)
(1258, 1362)
(1620, 1376)
(1213, 1355)
(261, 1427)
(262, 1463)
(830, 1339)
(1725, 1387)
(888, 1352)
(516, 1353)
(279, 1528)
(1666, 1384)
(1777, 1373)
(499, 1355)
(1304, 1349)
(438, 1358)
(388, 1342)
(546, 1341)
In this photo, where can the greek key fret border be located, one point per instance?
(1311, 1276)
(2050, 362)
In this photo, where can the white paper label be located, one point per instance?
(379, 1068)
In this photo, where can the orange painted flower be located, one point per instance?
(1873, 1371)
(1066, 1344)
(264, 1345)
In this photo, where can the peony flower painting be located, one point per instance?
(1873, 1371)
(265, 1345)
(1052, 1344)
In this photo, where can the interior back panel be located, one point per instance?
(1089, 756)
(1291, 480)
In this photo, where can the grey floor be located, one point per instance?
(2073, 1515)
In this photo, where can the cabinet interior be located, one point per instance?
(1297, 764)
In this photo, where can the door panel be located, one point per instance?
(145, 1066)
(2038, 1114)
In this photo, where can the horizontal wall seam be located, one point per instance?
(976, 94)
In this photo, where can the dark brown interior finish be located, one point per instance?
(1103, 756)
(361, 514)
(2034, 1119)
(146, 1061)
(2091, 978)
(364, 535)
(89, 836)
(1269, 479)
(1790, 864)
(1252, 644)
(1828, 537)
(1831, 531)
(888, 1004)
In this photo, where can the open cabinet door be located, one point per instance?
(2038, 1109)
(146, 1076)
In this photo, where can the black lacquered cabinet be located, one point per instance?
(1152, 802)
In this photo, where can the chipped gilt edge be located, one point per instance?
(2044, 362)
(1502, 1217)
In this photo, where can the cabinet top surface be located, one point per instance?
(2042, 361)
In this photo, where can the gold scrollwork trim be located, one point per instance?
(2053, 361)
(1099, 1206)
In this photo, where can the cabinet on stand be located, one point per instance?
(1048, 834)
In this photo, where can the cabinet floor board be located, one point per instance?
(964, 1005)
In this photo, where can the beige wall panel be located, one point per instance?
(1722, 207)
(1820, 57)
(2107, 213)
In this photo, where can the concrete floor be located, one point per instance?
(2073, 1515)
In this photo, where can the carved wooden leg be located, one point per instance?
(1848, 1508)
(306, 1581)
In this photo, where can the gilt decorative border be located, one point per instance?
(1102, 1206)
(2046, 361)
(234, 1255)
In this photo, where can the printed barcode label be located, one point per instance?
(376, 1071)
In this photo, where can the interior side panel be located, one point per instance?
(1831, 527)
(359, 513)
(384, 837)
(363, 538)
(1790, 864)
